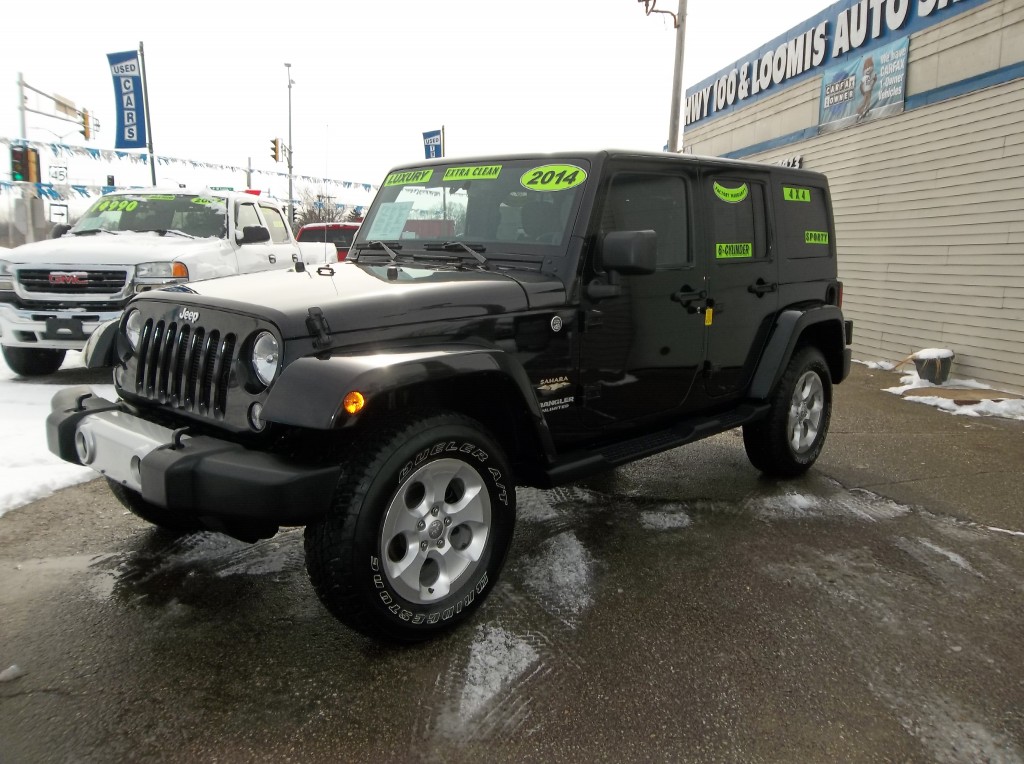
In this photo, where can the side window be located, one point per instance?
(738, 215)
(803, 228)
(245, 216)
(278, 229)
(644, 201)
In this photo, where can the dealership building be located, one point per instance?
(914, 109)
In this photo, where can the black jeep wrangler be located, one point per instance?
(500, 321)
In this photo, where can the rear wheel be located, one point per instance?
(418, 529)
(151, 513)
(33, 362)
(789, 440)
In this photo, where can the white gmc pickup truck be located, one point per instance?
(55, 293)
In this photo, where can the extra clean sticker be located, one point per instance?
(815, 237)
(482, 172)
(730, 251)
(731, 195)
(796, 194)
(553, 177)
(408, 177)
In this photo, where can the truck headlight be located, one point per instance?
(6, 277)
(161, 270)
(133, 329)
(266, 357)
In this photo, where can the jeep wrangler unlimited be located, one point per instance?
(500, 321)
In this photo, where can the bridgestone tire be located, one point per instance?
(33, 362)
(151, 513)
(418, 529)
(789, 440)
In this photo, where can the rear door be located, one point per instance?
(743, 284)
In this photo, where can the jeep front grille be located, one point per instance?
(187, 367)
(72, 281)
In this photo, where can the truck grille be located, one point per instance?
(186, 367)
(72, 281)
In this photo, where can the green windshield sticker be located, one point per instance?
(117, 205)
(815, 237)
(553, 177)
(160, 197)
(481, 172)
(731, 195)
(408, 178)
(730, 251)
(796, 194)
(202, 200)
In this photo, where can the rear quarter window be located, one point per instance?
(803, 221)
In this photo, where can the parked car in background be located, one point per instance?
(338, 234)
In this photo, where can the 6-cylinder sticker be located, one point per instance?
(815, 237)
(389, 598)
(731, 195)
(553, 177)
(731, 251)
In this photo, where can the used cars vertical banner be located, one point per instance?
(128, 90)
(433, 144)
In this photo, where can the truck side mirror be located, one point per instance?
(59, 230)
(254, 234)
(630, 252)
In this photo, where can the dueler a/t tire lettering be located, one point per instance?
(418, 529)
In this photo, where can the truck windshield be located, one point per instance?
(199, 216)
(531, 202)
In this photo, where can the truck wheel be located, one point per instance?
(418, 528)
(788, 441)
(151, 513)
(33, 362)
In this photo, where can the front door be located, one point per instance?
(643, 348)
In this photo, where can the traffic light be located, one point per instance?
(86, 124)
(32, 157)
(275, 149)
(19, 163)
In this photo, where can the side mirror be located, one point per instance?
(59, 230)
(630, 252)
(254, 234)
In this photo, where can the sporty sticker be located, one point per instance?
(553, 177)
(731, 195)
(815, 237)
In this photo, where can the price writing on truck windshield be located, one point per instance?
(553, 177)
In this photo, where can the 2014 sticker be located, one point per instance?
(553, 177)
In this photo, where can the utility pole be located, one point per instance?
(291, 206)
(679, 20)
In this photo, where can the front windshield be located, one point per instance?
(199, 216)
(489, 206)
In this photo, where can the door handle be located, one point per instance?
(687, 295)
(761, 287)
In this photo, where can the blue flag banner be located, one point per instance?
(432, 144)
(131, 116)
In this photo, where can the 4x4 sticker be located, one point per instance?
(731, 195)
(815, 237)
(408, 178)
(796, 194)
(481, 172)
(553, 177)
(730, 251)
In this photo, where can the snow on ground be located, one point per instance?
(28, 471)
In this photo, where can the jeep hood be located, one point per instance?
(121, 249)
(357, 296)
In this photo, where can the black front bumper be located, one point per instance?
(200, 476)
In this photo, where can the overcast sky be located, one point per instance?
(371, 77)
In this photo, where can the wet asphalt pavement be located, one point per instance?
(679, 609)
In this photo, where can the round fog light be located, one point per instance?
(256, 420)
(84, 447)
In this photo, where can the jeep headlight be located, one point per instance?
(266, 357)
(6, 277)
(133, 329)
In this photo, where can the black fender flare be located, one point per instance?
(789, 327)
(311, 390)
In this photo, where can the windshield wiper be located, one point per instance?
(175, 231)
(378, 244)
(455, 246)
(91, 231)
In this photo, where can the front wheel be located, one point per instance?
(33, 362)
(418, 529)
(789, 440)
